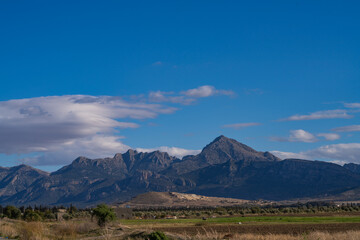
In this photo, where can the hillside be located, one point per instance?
(174, 199)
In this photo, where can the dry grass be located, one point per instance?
(8, 229)
(65, 230)
(211, 235)
(89, 230)
(32, 231)
(85, 227)
(46, 231)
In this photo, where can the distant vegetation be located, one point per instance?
(198, 212)
(40, 222)
(104, 214)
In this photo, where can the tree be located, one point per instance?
(12, 212)
(72, 209)
(31, 216)
(104, 214)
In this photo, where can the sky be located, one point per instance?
(95, 78)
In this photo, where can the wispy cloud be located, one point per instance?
(298, 135)
(328, 114)
(351, 128)
(188, 96)
(241, 125)
(352, 105)
(329, 136)
(159, 96)
(254, 91)
(344, 152)
(206, 91)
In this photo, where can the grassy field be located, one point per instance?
(249, 220)
(254, 227)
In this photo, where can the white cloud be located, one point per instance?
(329, 136)
(298, 135)
(188, 96)
(286, 155)
(97, 146)
(241, 125)
(57, 129)
(328, 114)
(33, 124)
(172, 151)
(343, 152)
(159, 96)
(205, 91)
(302, 136)
(351, 128)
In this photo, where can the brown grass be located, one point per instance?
(32, 231)
(65, 230)
(8, 229)
(350, 235)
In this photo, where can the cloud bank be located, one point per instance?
(343, 152)
(56, 129)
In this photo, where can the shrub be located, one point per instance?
(104, 214)
(31, 216)
(12, 212)
(157, 236)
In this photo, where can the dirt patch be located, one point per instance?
(295, 229)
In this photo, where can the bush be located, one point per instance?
(49, 215)
(31, 216)
(12, 212)
(104, 214)
(157, 236)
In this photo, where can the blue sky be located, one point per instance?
(197, 68)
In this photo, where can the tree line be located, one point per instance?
(102, 212)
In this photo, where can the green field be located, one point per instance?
(257, 219)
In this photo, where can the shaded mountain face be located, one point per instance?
(353, 167)
(224, 168)
(17, 179)
(219, 151)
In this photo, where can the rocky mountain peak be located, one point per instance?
(223, 149)
(223, 143)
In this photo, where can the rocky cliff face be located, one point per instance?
(224, 168)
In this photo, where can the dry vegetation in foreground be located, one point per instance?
(350, 235)
(76, 230)
(90, 231)
(100, 223)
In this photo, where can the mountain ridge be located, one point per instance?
(224, 168)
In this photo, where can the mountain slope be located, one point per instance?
(287, 179)
(219, 151)
(174, 199)
(224, 168)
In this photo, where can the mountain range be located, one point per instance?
(224, 168)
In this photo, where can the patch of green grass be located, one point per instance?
(258, 219)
